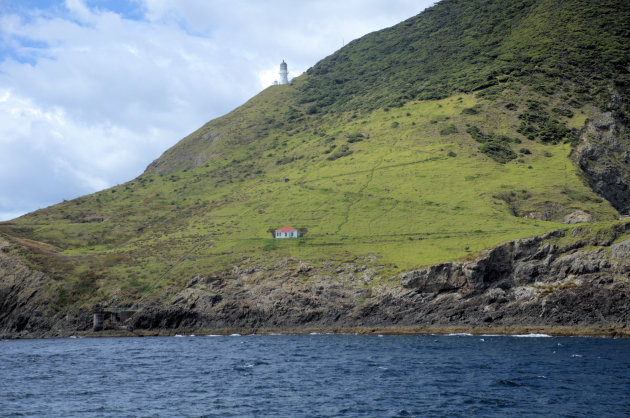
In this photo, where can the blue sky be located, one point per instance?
(92, 91)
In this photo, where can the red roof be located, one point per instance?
(286, 229)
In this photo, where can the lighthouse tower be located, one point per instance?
(284, 79)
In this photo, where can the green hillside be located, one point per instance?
(435, 139)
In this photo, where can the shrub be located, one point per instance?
(562, 111)
(495, 146)
(498, 151)
(356, 137)
(448, 130)
(536, 124)
(342, 151)
(476, 134)
(471, 110)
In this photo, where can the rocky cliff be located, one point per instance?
(604, 155)
(578, 278)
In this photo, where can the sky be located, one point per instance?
(92, 91)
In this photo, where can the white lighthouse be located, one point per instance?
(284, 79)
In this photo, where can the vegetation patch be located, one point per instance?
(537, 124)
(342, 151)
(449, 130)
(494, 146)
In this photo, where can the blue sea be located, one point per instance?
(316, 375)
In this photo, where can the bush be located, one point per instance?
(536, 124)
(498, 151)
(476, 134)
(356, 137)
(562, 111)
(449, 130)
(471, 110)
(342, 151)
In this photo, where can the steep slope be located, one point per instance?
(467, 126)
(471, 45)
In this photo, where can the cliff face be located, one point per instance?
(25, 304)
(19, 289)
(604, 155)
(531, 281)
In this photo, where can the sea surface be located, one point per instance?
(316, 375)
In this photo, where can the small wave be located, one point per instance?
(214, 335)
(531, 335)
(380, 335)
(459, 334)
(243, 368)
(314, 333)
(482, 340)
(576, 355)
(509, 383)
(178, 335)
(235, 335)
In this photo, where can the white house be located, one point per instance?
(287, 232)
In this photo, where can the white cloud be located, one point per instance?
(89, 96)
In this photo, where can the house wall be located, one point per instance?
(290, 234)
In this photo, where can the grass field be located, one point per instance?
(395, 188)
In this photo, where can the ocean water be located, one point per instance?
(315, 375)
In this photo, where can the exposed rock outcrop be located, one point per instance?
(602, 142)
(536, 281)
(530, 281)
(21, 305)
(577, 217)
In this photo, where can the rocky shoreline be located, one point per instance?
(517, 331)
(542, 284)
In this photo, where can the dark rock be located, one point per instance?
(600, 143)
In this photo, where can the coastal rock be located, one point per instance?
(621, 251)
(577, 217)
(525, 282)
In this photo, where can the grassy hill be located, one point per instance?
(430, 141)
